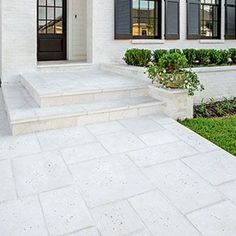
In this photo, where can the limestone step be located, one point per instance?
(57, 89)
(25, 116)
(63, 66)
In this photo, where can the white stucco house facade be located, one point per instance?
(98, 31)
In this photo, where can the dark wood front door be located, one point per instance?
(51, 30)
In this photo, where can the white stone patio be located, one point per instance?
(136, 177)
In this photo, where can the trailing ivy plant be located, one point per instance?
(170, 73)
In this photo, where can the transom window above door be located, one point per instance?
(146, 18)
(50, 17)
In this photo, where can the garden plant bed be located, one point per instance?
(216, 121)
(213, 109)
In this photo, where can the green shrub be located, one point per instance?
(175, 50)
(214, 56)
(218, 56)
(203, 56)
(224, 56)
(157, 55)
(190, 54)
(141, 57)
(138, 57)
(232, 54)
(173, 61)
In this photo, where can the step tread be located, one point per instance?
(72, 83)
(22, 108)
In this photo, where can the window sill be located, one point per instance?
(147, 41)
(212, 41)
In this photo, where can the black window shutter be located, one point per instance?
(172, 19)
(193, 19)
(123, 19)
(230, 19)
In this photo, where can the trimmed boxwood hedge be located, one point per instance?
(195, 57)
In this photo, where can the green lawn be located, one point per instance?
(221, 131)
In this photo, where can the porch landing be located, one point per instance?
(59, 88)
(52, 100)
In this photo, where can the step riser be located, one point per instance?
(65, 68)
(65, 122)
(92, 97)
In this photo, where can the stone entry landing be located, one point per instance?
(51, 100)
(60, 88)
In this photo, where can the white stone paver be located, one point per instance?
(158, 137)
(229, 190)
(74, 181)
(182, 186)
(162, 119)
(217, 220)
(56, 139)
(22, 217)
(7, 185)
(105, 128)
(117, 219)
(109, 179)
(120, 142)
(40, 172)
(11, 147)
(141, 125)
(160, 217)
(216, 167)
(143, 232)
(83, 153)
(161, 153)
(190, 137)
(65, 211)
(86, 232)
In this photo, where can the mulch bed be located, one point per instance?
(216, 109)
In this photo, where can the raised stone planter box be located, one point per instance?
(178, 104)
(219, 81)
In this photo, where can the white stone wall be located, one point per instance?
(219, 82)
(18, 38)
(106, 49)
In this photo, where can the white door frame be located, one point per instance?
(69, 29)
